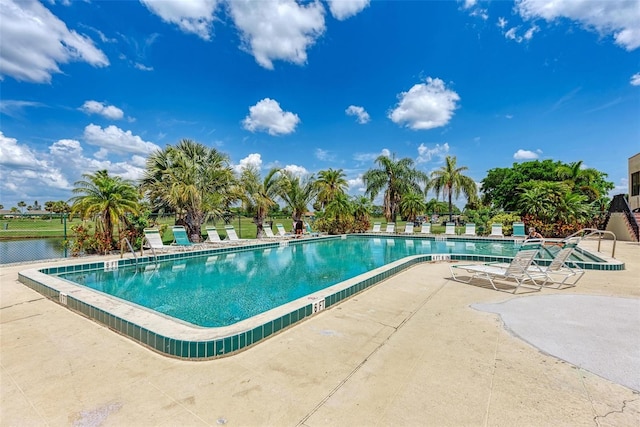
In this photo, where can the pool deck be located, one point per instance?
(409, 351)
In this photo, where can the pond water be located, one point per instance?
(31, 250)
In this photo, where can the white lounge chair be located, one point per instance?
(470, 229)
(426, 228)
(181, 239)
(212, 236)
(561, 269)
(232, 236)
(450, 228)
(408, 228)
(516, 273)
(391, 227)
(282, 232)
(496, 230)
(154, 240)
(268, 233)
(376, 227)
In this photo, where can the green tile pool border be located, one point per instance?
(184, 348)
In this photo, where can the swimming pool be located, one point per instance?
(215, 302)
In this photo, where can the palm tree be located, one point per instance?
(580, 179)
(107, 198)
(329, 184)
(191, 179)
(450, 180)
(412, 205)
(297, 193)
(259, 195)
(397, 178)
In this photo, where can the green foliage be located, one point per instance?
(480, 217)
(501, 186)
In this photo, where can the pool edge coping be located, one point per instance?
(174, 338)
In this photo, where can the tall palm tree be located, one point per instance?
(329, 184)
(396, 177)
(259, 195)
(108, 198)
(193, 180)
(451, 182)
(297, 193)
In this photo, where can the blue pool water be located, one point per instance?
(222, 289)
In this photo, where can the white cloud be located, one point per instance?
(194, 16)
(425, 154)
(323, 155)
(370, 157)
(343, 9)
(28, 26)
(426, 106)
(296, 170)
(13, 108)
(253, 159)
(142, 67)
(359, 112)
(526, 154)
(512, 34)
(469, 3)
(356, 184)
(267, 115)
(116, 140)
(635, 79)
(109, 111)
(13, 154)
(29, 174)
(621, 18)
(502, 22)
(277, 29)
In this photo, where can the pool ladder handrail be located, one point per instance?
(135, 257)
(588, 232)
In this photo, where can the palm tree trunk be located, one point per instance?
(450, 208)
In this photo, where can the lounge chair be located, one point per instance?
(391, 227)
(496, 230)
(450, 228)
(181, 239)
(154, 240)
(516, 273)
(470, 229)
(232, 236)
(376, 227)
(408, 228)
(426, 228)
(213, 237)
(561, 269)
(518, 229)
(268, 233)
(282, 232)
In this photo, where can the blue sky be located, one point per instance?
(89, 85)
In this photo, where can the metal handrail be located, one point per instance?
(135, 257)
(588, 232)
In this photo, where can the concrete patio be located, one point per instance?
(410, 351)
